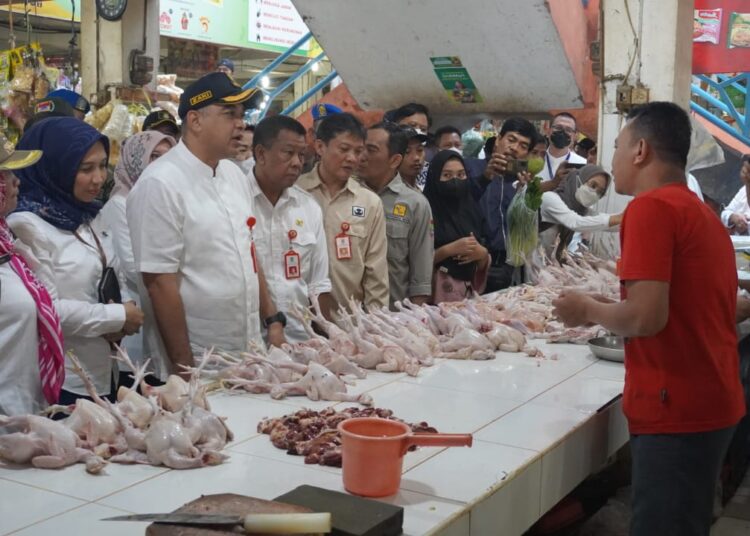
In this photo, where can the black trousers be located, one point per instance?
(674, 479)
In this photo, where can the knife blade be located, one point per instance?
(252, 523)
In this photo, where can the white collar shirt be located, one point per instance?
(186, 219)
(551, 163)
(296, 211)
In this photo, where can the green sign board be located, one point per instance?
(455, 79)
(263, 24)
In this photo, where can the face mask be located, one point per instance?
(587, 196)
(452, 188)
(456, 150)
(560, 139)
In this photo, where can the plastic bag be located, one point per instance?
(705, 151)
(523, 230)
(120, 124)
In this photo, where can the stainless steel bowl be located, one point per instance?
(611, 348)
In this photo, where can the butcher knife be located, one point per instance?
(252, 523)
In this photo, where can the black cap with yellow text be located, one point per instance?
(216, 88)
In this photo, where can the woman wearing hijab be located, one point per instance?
(71, 250)
(567, 210)
(137, 152)
(31, 342)
(461, 262)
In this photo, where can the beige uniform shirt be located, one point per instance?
(408, 226)
(365, 276)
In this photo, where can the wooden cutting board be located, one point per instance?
(225, 503)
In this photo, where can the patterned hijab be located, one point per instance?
(50, 346)
(135, 156)
(47, 186)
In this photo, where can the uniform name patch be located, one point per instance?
(358, 211)
(201, 97)
(399, 209)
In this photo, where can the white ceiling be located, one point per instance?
(382, 51)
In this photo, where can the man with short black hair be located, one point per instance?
(448, 138)
(353, 216)
(407, 214)
(414, 115)
(289, 237)
(562, 136)
(494, 190)
(190, 217)
(683, 396)
(414, 158)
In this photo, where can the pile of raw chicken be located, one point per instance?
(171, 425)
(411, 337)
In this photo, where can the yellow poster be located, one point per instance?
(56, 9)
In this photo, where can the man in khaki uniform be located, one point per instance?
(407, 212)
(353, 216)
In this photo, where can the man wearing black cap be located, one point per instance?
(225, 66)
(162, 121)
(190, 217)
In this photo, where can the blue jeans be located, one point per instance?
(674, 478)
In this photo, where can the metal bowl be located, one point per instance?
(611, 348)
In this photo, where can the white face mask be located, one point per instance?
(456, 150)
(587, 196)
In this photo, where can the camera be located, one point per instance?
(517, 166)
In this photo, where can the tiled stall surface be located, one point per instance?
(540, 426)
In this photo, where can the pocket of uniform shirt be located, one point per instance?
(357, 231)
(303, 240)
(395, 229)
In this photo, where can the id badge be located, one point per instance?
(292, 265)
(343, 247)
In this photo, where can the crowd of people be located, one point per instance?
(215, 231)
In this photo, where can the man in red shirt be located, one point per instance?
(683, 396)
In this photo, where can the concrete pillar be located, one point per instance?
(646, 41)
(106, 46)
(89, 48)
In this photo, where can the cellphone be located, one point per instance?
(517, 166)
(574, 166)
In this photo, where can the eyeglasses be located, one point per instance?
(567, 130)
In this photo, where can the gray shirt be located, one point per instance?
(408, 226)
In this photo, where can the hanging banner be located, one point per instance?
(54, 9)
(721, 36)
(261, 24)
(455, 79)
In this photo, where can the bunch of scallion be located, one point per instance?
(523, 223)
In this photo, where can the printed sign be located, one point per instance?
(455, 79)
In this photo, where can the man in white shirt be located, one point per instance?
(290, 240)
(190, 223)
(562, 138)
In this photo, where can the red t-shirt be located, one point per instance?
(685, 378)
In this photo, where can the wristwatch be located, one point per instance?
(278, 317)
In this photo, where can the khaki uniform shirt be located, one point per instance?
(408, 225)
(365, 276)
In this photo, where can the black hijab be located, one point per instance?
(454, 217)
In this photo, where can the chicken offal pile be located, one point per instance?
(411, 337)
(314, 434)
(171, 425)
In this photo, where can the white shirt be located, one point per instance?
(113, 214)
(551, 163)
(692, 184)
(20, 384)
(296, 210)
(738, 205)
(71, 271)
(554, 210)
(183, 219)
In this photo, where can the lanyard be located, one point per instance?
(99, 248)
(549, 164)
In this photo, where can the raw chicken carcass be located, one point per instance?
(468, 344)
(44, 443)
(320, 384)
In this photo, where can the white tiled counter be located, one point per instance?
(540, 427)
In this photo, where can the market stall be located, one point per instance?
(540, 427)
